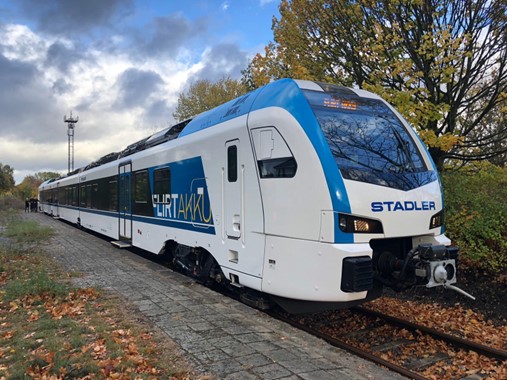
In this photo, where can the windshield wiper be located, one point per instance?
(402, 145)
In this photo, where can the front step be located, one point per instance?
(121, 244)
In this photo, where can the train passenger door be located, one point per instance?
(54, 205)
(125, 201)
(233, 190)
(57, 200)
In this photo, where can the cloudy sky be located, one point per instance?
(119, 65)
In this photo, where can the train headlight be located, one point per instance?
(437, 220)
(359, 225)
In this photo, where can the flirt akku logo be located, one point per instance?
(188, 207)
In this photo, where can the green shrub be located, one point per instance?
(476, 215)
(11, 202)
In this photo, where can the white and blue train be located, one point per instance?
(310, 195)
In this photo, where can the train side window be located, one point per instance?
(274, 157)
(284, 167)
(232, 163)
(162, 184)
(61, 195)
(75, 196)
(113, 195)
(141, 187)
(95, 195)
(82, 196)
(142, 200)
(89, 196)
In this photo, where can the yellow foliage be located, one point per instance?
(416, 64)
(444, 142)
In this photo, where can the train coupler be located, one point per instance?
(439, 267)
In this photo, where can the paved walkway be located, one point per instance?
(219, 336)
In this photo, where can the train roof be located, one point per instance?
(284, 93)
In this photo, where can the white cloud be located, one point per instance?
(18, 42)
(44, 75)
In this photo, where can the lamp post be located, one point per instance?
(70, 133)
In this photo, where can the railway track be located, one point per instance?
(454, 340)
(380, 338)
(412, 350)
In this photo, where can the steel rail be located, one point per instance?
(452, 339)
(345, 346)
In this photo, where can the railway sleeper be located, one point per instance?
(391, 345)
(419, 364)
(359, 334)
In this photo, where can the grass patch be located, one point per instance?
(27, 231)
(37, 282)
(49, 329)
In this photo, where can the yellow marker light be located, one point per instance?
(437, 220)
(359, 225)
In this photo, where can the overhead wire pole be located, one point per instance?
(70, 133)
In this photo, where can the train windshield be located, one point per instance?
(368, 141)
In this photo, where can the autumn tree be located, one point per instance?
(6, 178)
(443, 64)
(28, 188)
(44, 176)
(204, 95)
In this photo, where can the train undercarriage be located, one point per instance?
(395, 264)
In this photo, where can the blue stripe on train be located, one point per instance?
(205, 229)
(286, 94)
(182, 225)
(186, 206)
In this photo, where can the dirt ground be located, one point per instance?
(490, 293)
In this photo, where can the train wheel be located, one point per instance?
(210, 271)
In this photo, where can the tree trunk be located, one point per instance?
(438, 156)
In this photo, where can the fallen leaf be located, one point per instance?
(34, 316)
(14, 306)
(29, 335)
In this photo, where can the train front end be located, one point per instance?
(386, 225)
